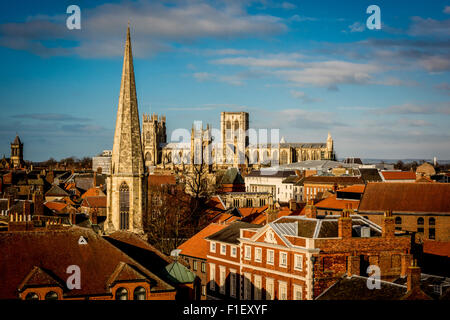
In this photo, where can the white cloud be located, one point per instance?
(303, 97)
(436, 63)
(429, 27)
(260, 62)
(447, 10)
(357, 27)
(155, 26)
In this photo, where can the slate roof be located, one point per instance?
(232, 232)
(56, 191)
(370, 175)
(355, 288)
(406, 197)
(54, 250)
(271, 173)
(232, 176)
(324, 227)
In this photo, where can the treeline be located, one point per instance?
(67, 163)
(412, 166)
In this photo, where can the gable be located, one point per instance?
(269, 236)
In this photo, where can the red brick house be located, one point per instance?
(298, 257)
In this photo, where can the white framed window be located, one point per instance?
(204, 267)
(282, 290)
(203, 290)
(194, 265)
(258, 254)
(270, 256)
(247, 286)
(234, 252)
(222, 277)
(232, 283)
(223, 249)
(212, 246)
(298, 262)
(212, 276)
(247, 253)
(270, 292)
(283, 259)
(258, 287)
(297, 293)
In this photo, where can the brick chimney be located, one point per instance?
(345, 223)
(38, 201)
(26, 208)
(292, 205)
(94, 216)
(414, 272)
(311, 210)
(94, 180)
(388, 225)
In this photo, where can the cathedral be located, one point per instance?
(230, 147)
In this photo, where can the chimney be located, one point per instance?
(38, 203)
(388, 225)
(311, 210)
(292, 205)
(94, 182)
(414, 272)
(26, 208)
(94, 216)
(345, 223)
(73, 218)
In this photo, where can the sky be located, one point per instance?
(304, 67)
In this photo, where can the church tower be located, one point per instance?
(127, 188)
(153, 137)
(16, 153)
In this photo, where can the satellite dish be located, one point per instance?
(175, 252)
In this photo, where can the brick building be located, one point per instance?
(315, 185)
(298, 257)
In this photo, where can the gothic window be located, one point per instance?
(148, 137)
(139, 293)
(124, 205)
(236, 125)
(228, 129)
(432, 221)
(121, 294)
(169, 157)
(148, 156)
(284, 157)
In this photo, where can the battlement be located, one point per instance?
(153, 118)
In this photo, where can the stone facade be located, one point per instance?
(127, 188)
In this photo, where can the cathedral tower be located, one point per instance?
(330, 148)
(127, 188)
(153, 136)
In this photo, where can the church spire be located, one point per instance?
(127, 150)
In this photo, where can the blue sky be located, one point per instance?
(305, 67)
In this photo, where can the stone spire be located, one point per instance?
(127, 157)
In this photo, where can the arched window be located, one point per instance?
(228, 129)
(32, 296)
(51, 295)
(124, 205)
(236, 125)
(148, 137)
(139, 293)
(121, 294)
(432, 221)
(284, 157)
(148, 156)
(420, 222)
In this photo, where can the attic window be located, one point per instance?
(82, 240)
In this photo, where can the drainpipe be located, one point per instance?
(313, 261)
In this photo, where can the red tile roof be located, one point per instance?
(56, 206)
(55, 250)
(406, 197)
(333, 203)
(398, 175)
(197, 246)
(158, 180)
(355, 189)
(436, 247)
(94, 202)
(93, 192)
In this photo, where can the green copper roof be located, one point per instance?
(180, 273)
